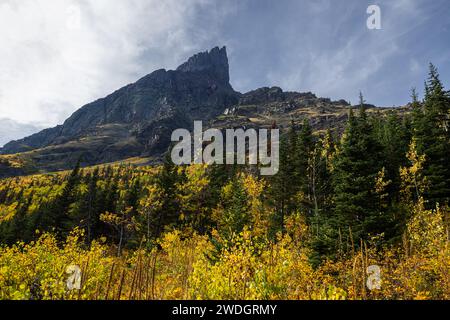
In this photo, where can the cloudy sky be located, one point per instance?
(57, 55)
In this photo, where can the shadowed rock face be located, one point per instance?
(138, 119)
(215, 63)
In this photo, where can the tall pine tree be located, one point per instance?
(432, 133)
(357, 164)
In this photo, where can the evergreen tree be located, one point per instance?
(356, 166)
(87, 209)
(285, 184)
(56, 214)
(235, 215)
(304, 167)
(395, 138)
(166, 181)
(431, 131)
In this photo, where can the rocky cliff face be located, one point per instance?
(138, 119)
(214, 63)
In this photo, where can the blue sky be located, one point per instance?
(59, 55)
(325, 47)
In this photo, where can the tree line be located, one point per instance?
(361, 186)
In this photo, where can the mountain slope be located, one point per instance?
(138, 119)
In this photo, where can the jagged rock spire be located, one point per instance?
(214, 61)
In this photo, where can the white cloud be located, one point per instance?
(315, 61)
(57, 55)
(12, 130)
(60, 54)
(414, 66)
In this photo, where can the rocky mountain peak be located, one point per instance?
(138, 119)
(214, 61)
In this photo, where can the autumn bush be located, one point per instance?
(246, 268)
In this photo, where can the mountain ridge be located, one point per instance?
(153, 97)
(137, 120)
